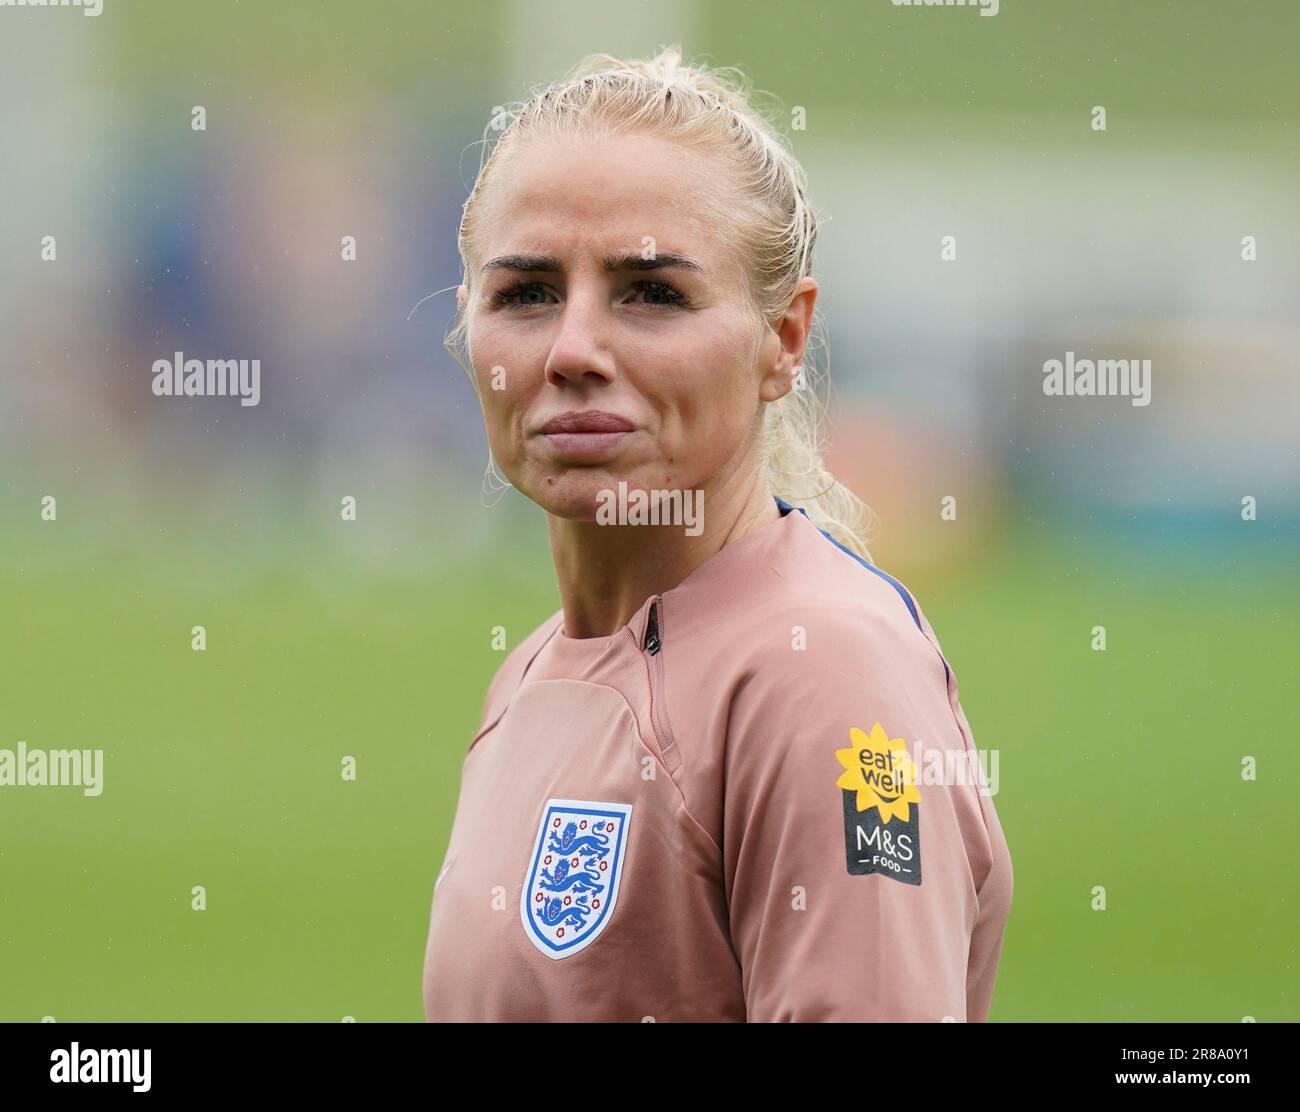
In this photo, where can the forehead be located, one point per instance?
(572, 196)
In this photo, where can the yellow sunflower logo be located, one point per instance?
(880, 771)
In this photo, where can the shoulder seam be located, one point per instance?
(489, 726)
(903, 593)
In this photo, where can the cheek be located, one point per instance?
(709, 410)
(502, 380)
(484, 354)
(720, 389)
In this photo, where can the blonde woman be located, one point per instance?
(696, 790)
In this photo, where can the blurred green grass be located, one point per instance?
(222, 769)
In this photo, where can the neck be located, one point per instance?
(605, 572)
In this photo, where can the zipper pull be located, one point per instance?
(652, 629)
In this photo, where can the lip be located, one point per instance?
(591, 420)
(586, 437)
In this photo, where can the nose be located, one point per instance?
(580, 348)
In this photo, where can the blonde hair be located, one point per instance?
(775, 230)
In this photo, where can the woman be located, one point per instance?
(694, 793)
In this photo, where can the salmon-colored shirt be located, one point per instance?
(746, 804)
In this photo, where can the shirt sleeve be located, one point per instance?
(851, 880)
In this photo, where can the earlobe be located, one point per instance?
(791, 333)
(778, 382)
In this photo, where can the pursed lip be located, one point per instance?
(592, 420)
(587, 437)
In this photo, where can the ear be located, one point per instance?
(462, 294)
(783, 347)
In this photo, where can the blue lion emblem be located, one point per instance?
(552, 912)
(561, 880)
(574, 874)
(569, 842)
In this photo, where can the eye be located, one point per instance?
(517, 289)
(672, 296)
(658, 293)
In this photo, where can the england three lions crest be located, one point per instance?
(573, 874)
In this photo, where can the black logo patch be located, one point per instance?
(882, 806)
(872, 846)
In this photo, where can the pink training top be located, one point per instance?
(752, 802)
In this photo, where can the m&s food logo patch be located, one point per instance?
(882, 806)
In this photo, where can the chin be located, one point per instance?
(576, 494)
(573, 494)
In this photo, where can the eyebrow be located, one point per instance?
(634, 261)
